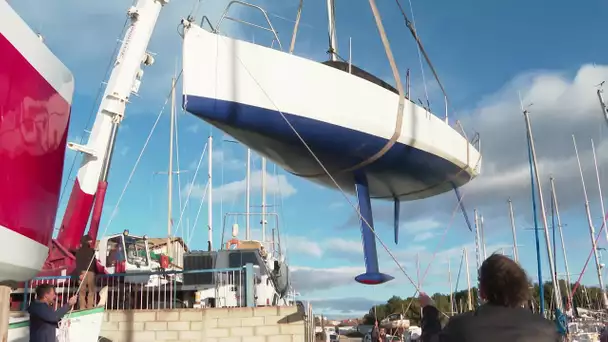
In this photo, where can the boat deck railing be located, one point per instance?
(231, 287)
(225, 16)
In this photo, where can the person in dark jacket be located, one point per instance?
(44, 319)
(375, 333)
(504, 287)
(85, 269)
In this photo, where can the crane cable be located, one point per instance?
(400, 108)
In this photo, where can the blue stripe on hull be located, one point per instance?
(404, 171)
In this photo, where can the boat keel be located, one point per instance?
(396, 224)
(372, 275)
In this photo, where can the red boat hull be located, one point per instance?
(35, 99)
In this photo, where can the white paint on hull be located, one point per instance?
(21, 258)
(27, 42)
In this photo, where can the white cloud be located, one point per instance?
(278, 185)
(303, 246)
(308, 279)
(225, 159)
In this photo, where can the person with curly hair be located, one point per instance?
(504, 287)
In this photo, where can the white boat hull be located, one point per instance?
(80, 326)
(251, 92)
(76, 326)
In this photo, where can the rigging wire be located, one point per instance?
(411, 26)
(198, 212)
(437, 247)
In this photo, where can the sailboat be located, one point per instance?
(330, 122)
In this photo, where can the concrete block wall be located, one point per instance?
(272, 324)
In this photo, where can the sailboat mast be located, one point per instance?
(477, 248)
(561, 236)
(591, 229)
(331, 27)
(512, 217)
(263, 200)
(210, 196)
(248, 196)
(600, 91)
(170, 173)
(451, 289)
(466, 262)
(483, 237)
(556, 292)
(599, 187)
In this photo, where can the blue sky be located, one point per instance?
(485, 52)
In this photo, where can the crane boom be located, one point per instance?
(125, 79)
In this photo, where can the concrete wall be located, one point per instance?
(273, 324)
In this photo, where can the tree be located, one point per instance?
(588, 297)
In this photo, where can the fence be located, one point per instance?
(228, 287)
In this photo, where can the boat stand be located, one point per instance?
(5, 307)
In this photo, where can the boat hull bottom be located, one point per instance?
(15, 264)
(404, 171)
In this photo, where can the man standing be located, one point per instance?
(85, 269)
(375, 334)
(503, 285)
(44, 319)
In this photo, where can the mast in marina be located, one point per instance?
(483, 237)
(170, 172)
(477, 249)
(248, 196)
(600, 92)
(532, 150)
(451, 289)
(210, 196)
(599, 187)
(561, 236)
(512, 217)
(331, 23)
(469, 298)
(263, 200)
(591, 230)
